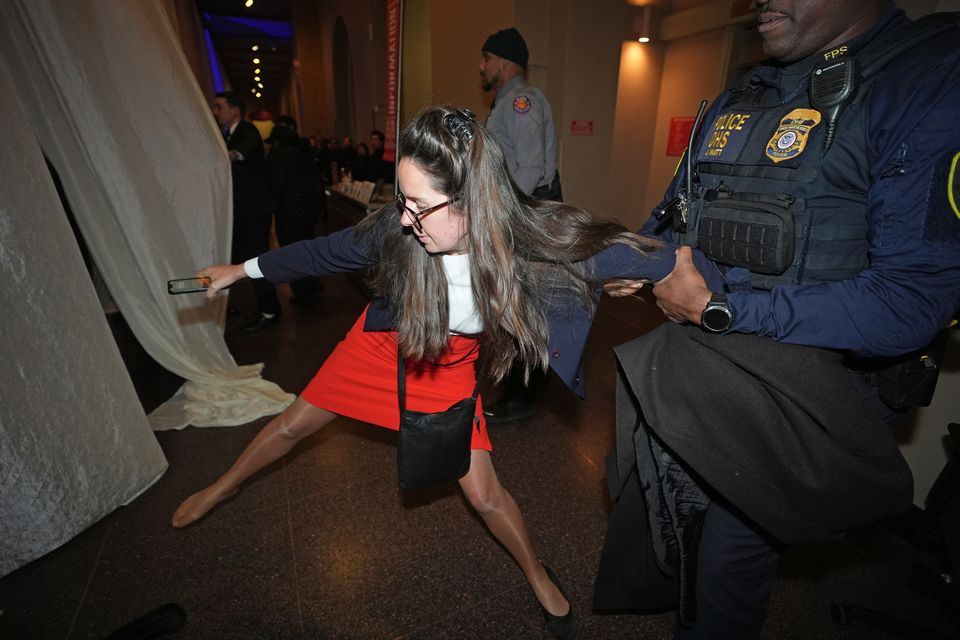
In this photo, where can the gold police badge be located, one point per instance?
(790, 138)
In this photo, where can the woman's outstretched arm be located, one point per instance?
(339, 252)
(621, 262)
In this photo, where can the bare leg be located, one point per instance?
(502, 516)
(299, 420)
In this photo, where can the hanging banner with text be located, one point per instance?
(393, 79)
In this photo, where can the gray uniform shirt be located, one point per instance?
(522, 122)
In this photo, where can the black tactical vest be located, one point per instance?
(771, 197)
(772, 201)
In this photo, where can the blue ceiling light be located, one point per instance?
(253, 27)
(212, 61)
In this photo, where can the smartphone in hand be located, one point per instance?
(187, 285)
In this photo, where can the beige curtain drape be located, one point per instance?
(102, 88)
(74, 443)
(116, 109)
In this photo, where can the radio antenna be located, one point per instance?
(693, 136)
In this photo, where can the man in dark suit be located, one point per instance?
(297, 187)
(380, 168)
(252, 205)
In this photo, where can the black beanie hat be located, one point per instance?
(509, 45)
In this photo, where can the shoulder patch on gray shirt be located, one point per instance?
(522, 104)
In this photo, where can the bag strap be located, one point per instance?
(402, 384)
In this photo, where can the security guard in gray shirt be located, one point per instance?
(522, 122)
(520, 119)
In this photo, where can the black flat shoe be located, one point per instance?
(560, 627)
(258, 322)
(509, 410)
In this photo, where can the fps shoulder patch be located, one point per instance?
(942, 220)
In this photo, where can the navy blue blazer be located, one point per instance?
(569, 323)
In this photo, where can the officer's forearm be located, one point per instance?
(866, 315)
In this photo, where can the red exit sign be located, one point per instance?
(581, 127)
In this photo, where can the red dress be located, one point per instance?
(359, 380)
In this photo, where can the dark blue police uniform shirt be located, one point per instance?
(911, 288)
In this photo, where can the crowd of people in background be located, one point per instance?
(279, 178)
(361, 161)
(336, 158)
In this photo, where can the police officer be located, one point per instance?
(833, 215)
(522, 122)
(521, 119)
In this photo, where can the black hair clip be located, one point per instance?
(466, 114)
(460, 122)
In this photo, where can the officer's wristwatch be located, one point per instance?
(716, 316)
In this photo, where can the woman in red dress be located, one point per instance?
(467, 271)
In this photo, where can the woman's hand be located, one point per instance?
(221, 276)
(623, 288)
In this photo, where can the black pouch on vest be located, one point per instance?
(910, 382)
(750, 230)
(433, 448)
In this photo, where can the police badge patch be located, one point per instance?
(790, 138)
(522, 104)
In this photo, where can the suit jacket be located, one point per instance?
(569, 320)
(251, 196)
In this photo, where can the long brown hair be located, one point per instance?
(523, 252)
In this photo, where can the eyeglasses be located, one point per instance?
(416, 216)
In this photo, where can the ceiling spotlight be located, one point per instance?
(248, 4)
(253, 90)
(256, 78)
(260, 84)
(254, 47)
(256, 61)
(258, 94)
(257, 70)
(642, 24)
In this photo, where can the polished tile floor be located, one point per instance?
(323, 545)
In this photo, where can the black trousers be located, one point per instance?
(251, 237)
(296, 221)
(736, 561)
(553, 191)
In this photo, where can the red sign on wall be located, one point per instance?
(679, 135)
(393, 79)
(581, 127)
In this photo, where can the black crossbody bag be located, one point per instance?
(433, 448)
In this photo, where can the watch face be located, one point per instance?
(716, 318)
